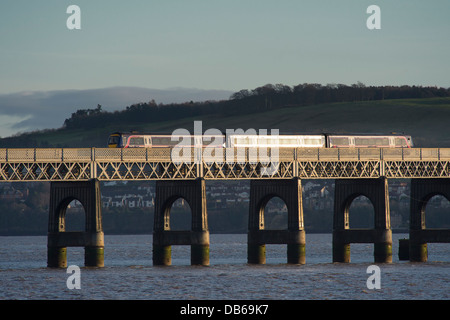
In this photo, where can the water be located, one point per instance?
(129, 273)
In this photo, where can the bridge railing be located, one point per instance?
(84, 154)
(132, 154)
(416, 154)
(223, 155)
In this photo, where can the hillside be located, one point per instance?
(422, 112)
(427, 120)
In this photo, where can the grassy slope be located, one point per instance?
(427, 120)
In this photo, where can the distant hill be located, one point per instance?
(47, 109)
(368, 111)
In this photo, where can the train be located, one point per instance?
(144, 140)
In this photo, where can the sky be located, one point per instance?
(211, 45)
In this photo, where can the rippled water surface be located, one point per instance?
(129, 273)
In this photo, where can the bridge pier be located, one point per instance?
(261, 191)
(92, 239)
(346, 191)
(422, 190)
(194, 192)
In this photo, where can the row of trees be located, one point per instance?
(264, 98)
(260, 99)
(313, 93)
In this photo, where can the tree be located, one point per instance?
(240, 95)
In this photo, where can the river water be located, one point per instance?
(129, 274)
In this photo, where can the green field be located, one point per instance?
(427, 120)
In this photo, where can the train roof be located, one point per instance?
(281, 133)
(144, 133)
(394, 134)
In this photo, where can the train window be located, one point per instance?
(342, 141)
(291, 141)
(263, 141)
(162, 141)
(360, 142)
(382, 142)
(177, 141)
(137, 141)
(114, 140)
(245, 140)
(156, 141)
(400, 142)
(312, 141)
(258, 141)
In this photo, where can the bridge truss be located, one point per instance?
(106, 164)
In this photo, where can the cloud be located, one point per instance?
(32, 110)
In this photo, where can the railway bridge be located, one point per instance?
(75, 173)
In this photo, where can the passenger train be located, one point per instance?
(140, 140)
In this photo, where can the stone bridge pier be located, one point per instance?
(92, 239)
(422, 190)
(290, 191)
(376, 190)
(167, 192)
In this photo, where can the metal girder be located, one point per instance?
(145, 170)
(248, 170)
(417, 169)
(159, 164)
(45, 171)
(342, 169)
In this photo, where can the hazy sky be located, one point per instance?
(221, 44)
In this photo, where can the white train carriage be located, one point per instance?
(275, 141)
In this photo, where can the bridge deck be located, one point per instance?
(65, 164)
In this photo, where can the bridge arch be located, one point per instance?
(422, 191)
(346, 191)
(91, 238)
(290, 192)
(426, 202)
(350, 216)
(167, 193)
(168, 207)
(62, 210)
(436, 211)
(277, 200)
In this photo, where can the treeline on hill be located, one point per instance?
(263, 98)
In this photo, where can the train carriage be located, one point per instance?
(136, 140)
(273, 141)
(369, 141)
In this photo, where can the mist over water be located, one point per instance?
(129, 274)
